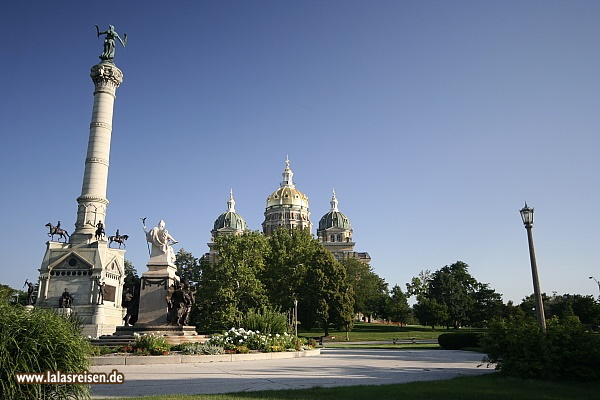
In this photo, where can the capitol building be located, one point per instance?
(288, 207)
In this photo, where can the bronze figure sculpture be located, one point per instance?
(118, 238)
(56, 230)
(30, 292)
(66, 300)
(99, 230)
(108, 52)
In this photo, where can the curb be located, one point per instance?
(198, 359)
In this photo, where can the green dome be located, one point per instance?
(230, 219)
(334, 219)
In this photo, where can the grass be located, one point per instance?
(398, 346)
(489, 387)
(364, 331)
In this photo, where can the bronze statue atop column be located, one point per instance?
(108, 52)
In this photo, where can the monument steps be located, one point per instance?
(124, 340)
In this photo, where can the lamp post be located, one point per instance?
(296, 317)
(591, 277)
(527, 216)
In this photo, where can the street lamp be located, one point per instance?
(591, 277)
(296, 317)
(527, 216)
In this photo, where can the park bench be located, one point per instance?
(413, 340)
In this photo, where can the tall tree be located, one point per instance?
(188, 267)
(454, 286)
(419, 285)
(488, 305)
(286, 264)
(370, 291)
(324, 296)
(230, 287)
(132, 279)
(586, 308)
(430, 312)
(397, 308)
(528, 305)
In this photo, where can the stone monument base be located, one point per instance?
(170, 330)
(172, 334)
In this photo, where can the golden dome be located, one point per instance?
(287, 195)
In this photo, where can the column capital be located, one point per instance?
(106, 75)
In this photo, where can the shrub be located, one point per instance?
(520, 349)
(265, 321)
(457, 341)
(152, 344)
(37, 341)
(199, 348)
(241, 350)
(102, 350)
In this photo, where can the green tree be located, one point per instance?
(513, 311)
(455, 287)
(132, 279)
(286, 263)
(9, 295)
(188, 267)
(419, 285)
(488, 305)
(397, 308)
(586, 308)
(324, 296)
(528, 305)
(430, 312)
(370, 291)
(231, 286)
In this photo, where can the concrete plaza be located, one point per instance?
(334, 367)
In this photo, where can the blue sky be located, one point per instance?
(433, 120)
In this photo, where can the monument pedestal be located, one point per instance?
(153, 307)
(77, 269)
(154, 289)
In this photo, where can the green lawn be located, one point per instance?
(383, 345)
(364, 331)
(489, 387)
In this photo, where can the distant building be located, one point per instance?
(228, 223)
(288, 207)
(335, 233)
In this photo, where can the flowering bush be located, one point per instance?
(254, 340)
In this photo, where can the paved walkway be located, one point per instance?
(335, 367)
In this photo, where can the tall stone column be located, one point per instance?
(92, 202)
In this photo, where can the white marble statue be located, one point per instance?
(161, 242)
